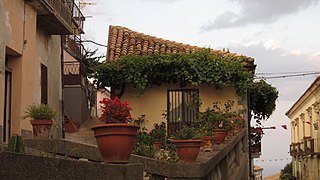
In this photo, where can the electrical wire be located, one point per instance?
(88, 40)
(287, 76)
(296, 72)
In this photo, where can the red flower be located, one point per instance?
(115, 111)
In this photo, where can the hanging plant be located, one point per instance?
(263, 98)
(197, 68)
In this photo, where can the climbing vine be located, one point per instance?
(197, 68)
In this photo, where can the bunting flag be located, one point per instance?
(284, 127)
(274, 159)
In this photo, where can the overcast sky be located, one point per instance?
(282, 36)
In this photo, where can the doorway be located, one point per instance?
(7, 105)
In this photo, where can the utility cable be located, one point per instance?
(286, 76)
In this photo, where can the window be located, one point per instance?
(44, 84)
(183, 108)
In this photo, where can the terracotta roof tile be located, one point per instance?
(123, 41)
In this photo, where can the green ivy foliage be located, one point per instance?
(263, 98)
(197, 68)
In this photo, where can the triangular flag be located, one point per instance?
(284, 126)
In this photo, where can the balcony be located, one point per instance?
(308, 146)
(57, 16)
(74, 73)
(256, 136)
(72, 44)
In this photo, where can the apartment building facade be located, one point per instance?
(305, 145)
(31, 59)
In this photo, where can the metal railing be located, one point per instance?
(73, 43)
(74, 68)
(62, 9)
(308, 146)
(78, 16)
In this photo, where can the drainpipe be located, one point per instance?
(62, 90)
(249, 135)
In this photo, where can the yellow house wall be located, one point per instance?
(308, 166)
(153, 102)
(28, 47)
(309, 130)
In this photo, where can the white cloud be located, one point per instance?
(272, 44)
(296, 52)
(257, 12)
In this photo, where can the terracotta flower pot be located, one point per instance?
(115, 141)
(207, 142)
(187, 150)
(41, 128)
(220, 135)
(157, 144)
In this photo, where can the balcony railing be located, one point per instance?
(308, 146)
(74, 73)
(302, 148)
(72, 44)
(57, 16)
(78, 17)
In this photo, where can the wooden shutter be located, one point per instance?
(44, 84)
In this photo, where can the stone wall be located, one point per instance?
(227, 161)
(20, 166)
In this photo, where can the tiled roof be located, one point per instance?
(123, 41)
(257, 168)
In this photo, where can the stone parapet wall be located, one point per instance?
(227, 161)
(20, 166)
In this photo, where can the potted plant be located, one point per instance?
(116, 137)
(256, 143)
(187, 143)
(208, 139)
(42, 116)
(158, 134)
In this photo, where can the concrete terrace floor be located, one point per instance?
(85, 134)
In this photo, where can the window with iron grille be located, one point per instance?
(183, 108)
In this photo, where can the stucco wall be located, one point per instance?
(75, 103)
(27, 46)
(153, 102)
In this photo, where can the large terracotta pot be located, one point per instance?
(41, 128)
(220, 135)
(187, 150)
(115, 141)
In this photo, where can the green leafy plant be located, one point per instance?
(196, 68)
(286, 172)
(186, 133)
(144, 145)
(263, 98)
(159, 132)
(40, 112)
